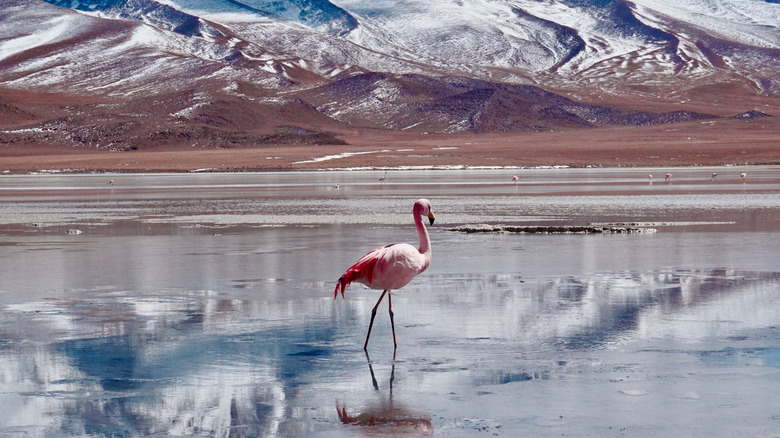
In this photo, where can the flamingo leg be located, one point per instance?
(371, 324)
(371, 369)
(392, 323)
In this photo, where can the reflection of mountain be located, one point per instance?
(148, 385)
(590, 312)
(166, 366)
(195, 363)
(623, 304)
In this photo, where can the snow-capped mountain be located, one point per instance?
(279, 54)
(520, 40)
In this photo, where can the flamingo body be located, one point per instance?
(388, 267)
(392, 266)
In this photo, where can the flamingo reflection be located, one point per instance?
(385, 417)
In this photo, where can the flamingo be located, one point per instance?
(382, 180)
(743, 175)
(650, 177)
(714, 175)
(668, 177)
(515, 178)
(392, 266)
(111, 182)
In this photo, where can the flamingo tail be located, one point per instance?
(364, 268)
(342, 284)
(345, 281)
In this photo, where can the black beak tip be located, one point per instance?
(431, 219)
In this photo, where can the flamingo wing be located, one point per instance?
(387, 267)
(363, 270)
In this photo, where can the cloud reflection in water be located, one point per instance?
(199, 363)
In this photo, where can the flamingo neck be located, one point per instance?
(425, 241)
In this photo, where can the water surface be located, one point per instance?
(202, 304)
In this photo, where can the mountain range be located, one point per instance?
(130, 74)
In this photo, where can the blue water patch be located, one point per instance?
(771, 357)
(740, 356)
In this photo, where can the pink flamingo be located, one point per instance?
(714, 175)
(391, 267)
(650, 177)
(668, 177)
(382, 180)
(743, 175)
(111, 182)
(515, 178)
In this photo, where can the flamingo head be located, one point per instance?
(423, 208)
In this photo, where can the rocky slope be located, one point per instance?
(129, 74)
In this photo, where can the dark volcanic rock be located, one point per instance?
(753, 114)
(548, 229)
(449, 104)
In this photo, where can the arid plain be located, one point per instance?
(743, 129)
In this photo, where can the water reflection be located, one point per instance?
(594, 311)
(199, 363)
(385, 416)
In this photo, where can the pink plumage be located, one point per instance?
(391, 266)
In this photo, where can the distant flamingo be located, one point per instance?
(391, 267)
(650, 177)
(668, 177)
(111, 182)
(743, 175)
(515, 178)
(714, 175)
(382, 180)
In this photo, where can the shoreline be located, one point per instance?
(456, 168)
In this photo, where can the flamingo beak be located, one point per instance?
(431, 217)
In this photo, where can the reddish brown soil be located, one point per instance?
(723, 142)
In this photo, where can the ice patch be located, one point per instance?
(338, 156)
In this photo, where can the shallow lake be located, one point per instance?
(202, 304)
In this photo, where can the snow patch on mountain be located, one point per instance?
(749, 22)
(121, 46)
